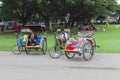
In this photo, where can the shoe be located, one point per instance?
(56, 54)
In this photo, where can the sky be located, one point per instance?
(118, 1)
(0, 2)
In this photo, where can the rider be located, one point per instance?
(63, 37)
(32, 38)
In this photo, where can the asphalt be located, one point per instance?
(103, 66)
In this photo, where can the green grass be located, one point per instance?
(109, 40)
(6, 41)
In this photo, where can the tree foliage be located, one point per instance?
(21, 10)
(53, 10)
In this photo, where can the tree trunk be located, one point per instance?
(24, 22)
(47, 23)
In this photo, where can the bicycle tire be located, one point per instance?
(88, 50)
(17, 49)
(68, 55)
(55, 52)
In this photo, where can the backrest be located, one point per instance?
(66, 30)
(80, 40)
(20, 38)
(39, 39)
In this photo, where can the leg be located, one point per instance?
(30, 41)
(62, 42)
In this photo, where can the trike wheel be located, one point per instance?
(44, 46)
(88, 50)
(55, 52)
(27, 51)
(17, 49)
(69, 55)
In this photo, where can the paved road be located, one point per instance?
(41, 67)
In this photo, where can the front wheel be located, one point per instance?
(69, 55)
(17, 49)
(55, 52)
(88, 50)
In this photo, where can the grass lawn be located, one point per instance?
(6, 41)
(109, 40)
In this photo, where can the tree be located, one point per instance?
(21, 10)
(85, 10)
(53, 10)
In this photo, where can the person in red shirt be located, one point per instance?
(17, 27)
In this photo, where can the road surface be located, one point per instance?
(103, 66)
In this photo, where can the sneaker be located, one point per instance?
(56, 54)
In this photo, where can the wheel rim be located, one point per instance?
(55, 52)
(69, 55)
(88, 51)
(17, 49)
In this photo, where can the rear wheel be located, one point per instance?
(55, 52)
(69, 55)
(88, 50)
(17, 49)
(27, 51)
